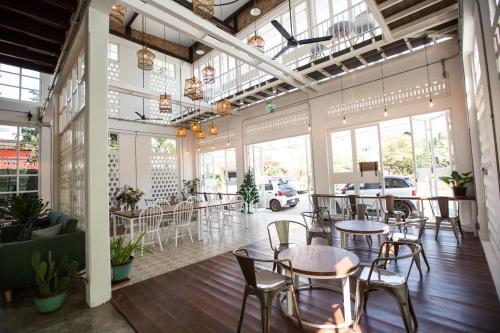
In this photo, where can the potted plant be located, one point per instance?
(458, 182)
(129, 196)
(121, 256)
(190, 186)
(22, 207)
(52, 280)
(248, 190)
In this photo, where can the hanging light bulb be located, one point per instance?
(195, 126)
(181, 132)
(431, 103)
(385, 111)
(208, 74)
(344, 121)
(227, 143)
(145, 58)
(309, 127)
(212, 146)
(199, 149)
(200, 134)
(165, 105)
(212, 129)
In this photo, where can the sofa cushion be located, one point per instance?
(39, 222)
(70, 226)
(47, 232)
(25, 233)
(10, 233)
(69, 223)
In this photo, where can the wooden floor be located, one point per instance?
(457, 295)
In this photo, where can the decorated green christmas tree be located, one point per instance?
(248, 190)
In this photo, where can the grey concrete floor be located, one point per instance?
(75, 316)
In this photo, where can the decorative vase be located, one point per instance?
(459, 191)
(121, 272)
(132, 207)
(50, 304)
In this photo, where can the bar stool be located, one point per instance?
(444, 215)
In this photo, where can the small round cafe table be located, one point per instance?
(360, 227)
(320, 262)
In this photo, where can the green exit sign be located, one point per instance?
(270, 107)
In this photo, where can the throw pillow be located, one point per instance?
(70, 226)
(39, 223)
(47, 232)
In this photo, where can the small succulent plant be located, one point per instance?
(53, 278)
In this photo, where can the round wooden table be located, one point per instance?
(320, 262)
(360, 227)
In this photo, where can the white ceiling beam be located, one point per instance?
(411, 10)
(172, 14)
(388, 3)
(427, 22)
(377, 13)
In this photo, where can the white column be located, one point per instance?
(96, 136)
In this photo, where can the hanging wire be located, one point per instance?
(309, 110)
(344, 121)
(383, 89)
(431, 104)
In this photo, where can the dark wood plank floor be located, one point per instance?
(457, 295)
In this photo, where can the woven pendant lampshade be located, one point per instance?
(256, 42)
(200, 134)
(224, 107)
(145, 59)
(181, 132)
(195, 126)
(193, 88)
(208, 74)
(118, 14)
(165, 103)
(204, 8)
(212, 129)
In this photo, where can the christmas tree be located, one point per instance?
(248, 189)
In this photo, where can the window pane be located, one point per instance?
(8, 133)
(8, 68)
(342, 151)
(9, 79)
(322, 10)
(9, 92)
(28, 183)
(30, 83)
(28, 165)
(31, 73)
(367, 148)
(4, 199)
(30, 95)
(7, 184)
(163, 145)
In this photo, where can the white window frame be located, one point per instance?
(19, 86)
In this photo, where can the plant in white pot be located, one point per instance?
(122, 256)
(53, 281)
(458, 182)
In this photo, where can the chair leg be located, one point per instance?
(190, 236)
(358, 305)
(176, 235)
(438, 225)
(419, 266)
(242, 314)
(425, 259)
(455, 230)
(412, 311)
(275, 265)
(296, 306)
(265, 310)
(404, 307)
(459, 224)
(159, 240)
(369, 241)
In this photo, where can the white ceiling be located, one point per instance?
(156, 29)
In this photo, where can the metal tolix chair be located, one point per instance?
(264, 285)
(316, 227)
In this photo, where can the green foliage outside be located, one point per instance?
(163, 145)
(275, 169)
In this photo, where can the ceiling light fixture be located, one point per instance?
(224, 107)
(181, 132)
(165, 105)
(200, 52)
(208, 73)
(383, 89)
(204, 8)
(118, 14)
(193, 88)
(344, 121)
(145, 58)
(212, 129)
(431, 103)
(256, 41)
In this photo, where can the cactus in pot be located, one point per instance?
(53, 280)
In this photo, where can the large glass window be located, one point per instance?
(19, 161)
(342, 151)
(19, 83)
(217, 171)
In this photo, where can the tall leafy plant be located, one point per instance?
(22, 208)
(121, 252)
(190, 186)
(457, 180)
(53, 279)
(248, 189)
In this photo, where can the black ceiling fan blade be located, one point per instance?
(315, 40)
(139, 114)
(281, 30)
(283, 50)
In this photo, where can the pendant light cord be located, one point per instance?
(427, 67)
(383, 83)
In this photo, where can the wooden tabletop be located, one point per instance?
(171, 209)
(362, 227)
(320, 260)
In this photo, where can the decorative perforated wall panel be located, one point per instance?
(113, 70)
(113, 103)
(155, 115)
(157, 83)
(113, 174)
(220, 138)
(278, 123)
(79, 178)
(401, 96)
(163, 175)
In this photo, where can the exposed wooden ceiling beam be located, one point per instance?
(29, 26)
(377, 12)
(221, 24)
(388, 3)
(68, 5)
(411, 10)
(26, 64)
(37, 11)
(20, 52)
(128, 24)
(21, 39)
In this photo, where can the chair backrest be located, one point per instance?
(384, 257)
(351, 202)
(237, 203)
(421, 221)
(214, 206)
(361, 211)
(183, 213)
(282, 228)
(247, 265)
(193, 199)
(443, 204)
(315, 220)
(389, 204)
(163, 203)
(150, 219)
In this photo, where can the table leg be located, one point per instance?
(131, 223)
(379, 239)
(346, 292)
(289, 298)
(200, 227)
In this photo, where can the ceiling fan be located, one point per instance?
(291, 41)
(142, 116)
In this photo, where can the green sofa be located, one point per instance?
(15, 256)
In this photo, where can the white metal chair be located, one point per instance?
(234, 213)
(193, 200)
(213, 215)
(182, 219)
(150, 219)
(167, 218)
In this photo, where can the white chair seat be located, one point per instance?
(399, 236)
(269, 280)
(381, 276)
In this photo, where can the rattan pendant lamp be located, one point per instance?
(165, 99)
(145, 58)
